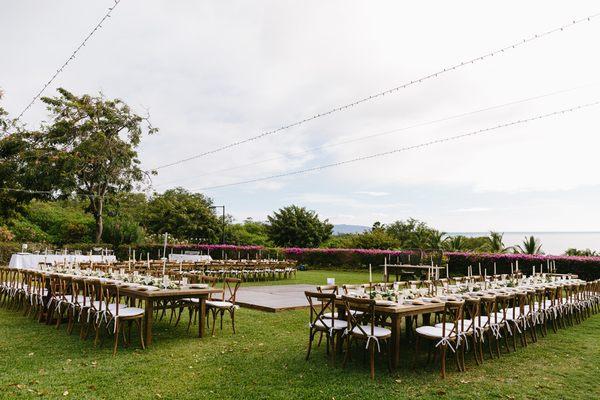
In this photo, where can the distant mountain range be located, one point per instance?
(345, 229)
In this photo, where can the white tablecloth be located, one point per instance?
(24, 260)
(189, 257)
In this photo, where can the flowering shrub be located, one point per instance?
(586, 267)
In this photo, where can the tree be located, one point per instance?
(414, 233)
(496, 243)
(248, 233)
(375, 239)
(295, 226)
(14, 172)
(456, 243)
(88, 149)
(183, 214)
(531, 245)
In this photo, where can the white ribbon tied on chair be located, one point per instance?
(376, 341)
(445, 341)
(496, 330)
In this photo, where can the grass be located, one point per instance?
(319, 277)
(265, 360)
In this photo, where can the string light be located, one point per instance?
(72, 57)
(385, 92)
(403, 149)
(379, 134)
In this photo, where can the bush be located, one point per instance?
(62, 222)
(5, 234)
(26, 231)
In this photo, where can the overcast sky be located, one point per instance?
(212, 73)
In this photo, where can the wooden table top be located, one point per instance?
(161, 293)
(407, 309)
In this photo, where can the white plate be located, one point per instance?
(198, 286)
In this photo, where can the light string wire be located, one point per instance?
(383, 93)
(64, 65)
(379, 134)
(362, 158)
(403, 149)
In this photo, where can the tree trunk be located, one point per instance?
(98, 217)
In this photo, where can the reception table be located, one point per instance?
(189, 258)
(28, 260)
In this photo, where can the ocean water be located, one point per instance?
(554, 243)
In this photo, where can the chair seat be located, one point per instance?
(461, 326)
(80, 299)
(378, 331)
(130, 312)
(219, 304)
(327, 324)
(330, 315)
(433, 332)
(111, 307)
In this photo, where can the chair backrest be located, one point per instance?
(327, 289)
(488, 306)
(502, 307)
(93, 290)
(367, 306)
(453, 314)
(211, 280)
(354, 288)
(111, 295)
(472, 311)
(230, 288)
(321, 303)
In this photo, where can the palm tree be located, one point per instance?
(531, 245)
(435, 240)
(496, 243)
(455, 243)
(419, 239)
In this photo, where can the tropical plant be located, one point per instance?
(496, 243)
(530, 245)
(295, 226)
(435, 240)
(455, 243)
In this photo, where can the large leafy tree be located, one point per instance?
(88, 149)
(14, 173)
(295, 226)
(184, 215)
(248, 233)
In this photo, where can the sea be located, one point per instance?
(554, 243)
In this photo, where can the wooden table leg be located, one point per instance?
(202, 317)
(396, 331)
(148, 317)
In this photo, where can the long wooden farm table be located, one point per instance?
(152, 296)
(396, 313)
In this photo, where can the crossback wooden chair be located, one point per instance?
(321, 304)
(362, 328)
(117, 312)
(443, 337)
(225, 304)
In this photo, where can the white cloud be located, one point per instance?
(373, 194)
(212, 73)
(471, 209)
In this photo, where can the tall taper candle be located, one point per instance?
(370, 274)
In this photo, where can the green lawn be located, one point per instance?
(266, 360)
(319, 277)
